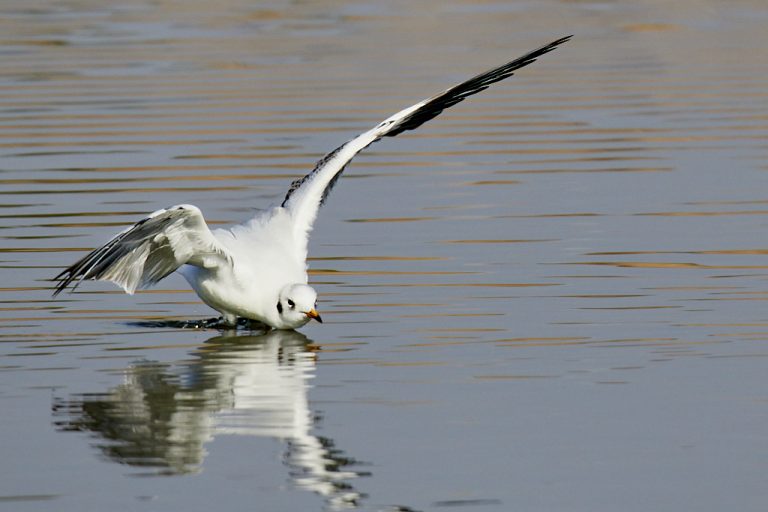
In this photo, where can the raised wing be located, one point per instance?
(150, 250)
(307, 194)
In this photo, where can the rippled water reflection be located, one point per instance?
(551, 297)
(160, 418)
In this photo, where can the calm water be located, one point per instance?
(551, 298)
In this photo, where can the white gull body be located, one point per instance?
(256, 270)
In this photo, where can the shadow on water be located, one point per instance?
(161, 417)
(217, 323)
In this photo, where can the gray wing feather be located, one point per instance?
(149, 250)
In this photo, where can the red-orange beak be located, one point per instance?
(312, 313)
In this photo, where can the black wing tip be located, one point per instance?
(62, 282)
(60, 287)
(557, 42)
(73, 273)
(458, 93)
(554, 44)
(531, 56)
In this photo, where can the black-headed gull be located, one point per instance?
(256, 270)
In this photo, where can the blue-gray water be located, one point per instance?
(552, 297)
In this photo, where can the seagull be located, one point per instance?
(256, 270)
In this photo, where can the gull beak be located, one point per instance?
(312, 313)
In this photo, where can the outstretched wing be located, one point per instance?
(150, 250)
(307, 194)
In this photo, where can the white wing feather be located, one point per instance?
(150, 250)
(307, 194)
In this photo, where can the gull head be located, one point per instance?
(296, 305)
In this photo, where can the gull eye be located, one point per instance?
(291, 304)
(280, 308)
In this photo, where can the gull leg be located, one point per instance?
(229, 321)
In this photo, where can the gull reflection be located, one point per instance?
(161, 417)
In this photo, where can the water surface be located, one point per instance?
(552, 297)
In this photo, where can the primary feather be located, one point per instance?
(150, 250)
